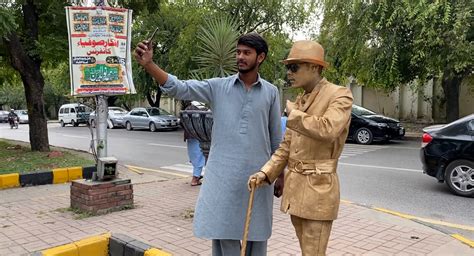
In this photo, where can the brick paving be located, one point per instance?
(36, 218)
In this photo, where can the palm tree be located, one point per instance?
(217, 44)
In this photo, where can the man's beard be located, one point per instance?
(246, 70)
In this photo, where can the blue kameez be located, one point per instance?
(245, 133)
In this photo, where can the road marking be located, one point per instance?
(159, 171)
(75, 136)
(165, 145)
(405, 148)
(180, 167)
(431, 221)
(133, 170)
(463, 239)
(351, 150)
(425, 220)
(381, 167)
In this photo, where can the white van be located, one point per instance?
(74, 114)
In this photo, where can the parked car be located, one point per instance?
(367, 126)
(447, 153)
(22, 115)
(74, 114)
(150, 118)
(4, 116)
(115, 118)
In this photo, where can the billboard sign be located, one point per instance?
(99, 50)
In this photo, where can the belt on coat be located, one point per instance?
(308, 167)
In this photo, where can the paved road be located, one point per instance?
(384, 175)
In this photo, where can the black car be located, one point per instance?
(447, 153)
(367, 126)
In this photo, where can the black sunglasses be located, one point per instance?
(293, 67)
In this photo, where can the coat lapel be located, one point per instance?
(313, 95)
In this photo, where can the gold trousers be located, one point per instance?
(313, 235)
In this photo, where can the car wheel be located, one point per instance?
(459, 176)
(62, 123)
(152, 127)
(110, 125)
(128, 126)
(73, 123)
(92, 123)
(363, 136)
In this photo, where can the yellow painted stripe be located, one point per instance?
(399, 214)
(9, 180)
(159, 171)
(156, 252)
(74, 173)
(96, 245)
(60, 175)
(134, 170)
(345, 201)
(464, 240)
(63, 250)
(435, 222)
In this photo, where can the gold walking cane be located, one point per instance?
(247, 219)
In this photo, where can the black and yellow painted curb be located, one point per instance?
(59, 175)
(104, 245)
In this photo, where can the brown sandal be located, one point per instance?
(196, 181)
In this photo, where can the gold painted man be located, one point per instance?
(317, 128)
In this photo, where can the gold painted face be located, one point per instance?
(302, 74)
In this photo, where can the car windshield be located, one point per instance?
(358, 110)
(83, 109)
(22, 112)
(118, 111)
(156, 112)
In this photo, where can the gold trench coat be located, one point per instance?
(316, 132)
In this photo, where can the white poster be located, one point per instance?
(99, 50)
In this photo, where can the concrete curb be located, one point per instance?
(54, 176)
(423, 221)
(104, 245)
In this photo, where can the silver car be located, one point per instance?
(4, 116)
(22, 115)
(150, 118)
(115, 118)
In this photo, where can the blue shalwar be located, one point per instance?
(246, 131)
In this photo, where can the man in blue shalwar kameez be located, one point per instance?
(246, 130)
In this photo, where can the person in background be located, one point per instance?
(317, 127)
(284, 118)
(12, 116)
(196, 157)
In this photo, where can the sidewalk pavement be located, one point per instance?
(34, 218)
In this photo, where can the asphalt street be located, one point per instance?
(386, 175)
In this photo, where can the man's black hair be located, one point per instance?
(255, 41)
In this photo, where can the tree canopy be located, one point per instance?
(391, 42)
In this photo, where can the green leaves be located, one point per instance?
(7, 22)
(217, 45)
(389, 42)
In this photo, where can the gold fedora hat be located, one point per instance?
(306, 51)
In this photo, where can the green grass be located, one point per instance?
(16, 157)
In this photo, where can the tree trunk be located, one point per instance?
(29, 67)
(111, 100)
(154, 102)
(451, 85)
